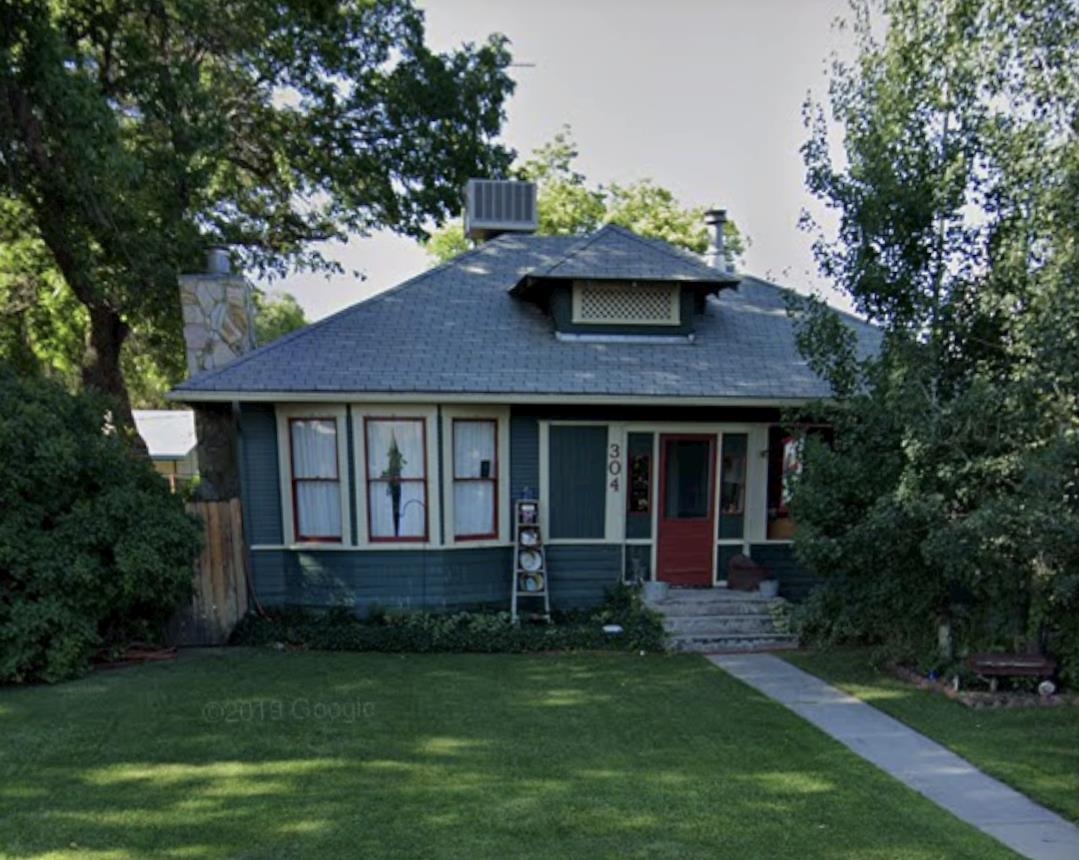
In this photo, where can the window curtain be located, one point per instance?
(733, 479)
(473, 508)
(318, 509)
(411, 519)
(316, 478)
(475, 477)
(474, 445)
(407, 437)
(396, 476)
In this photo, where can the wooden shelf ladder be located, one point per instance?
(530, 584)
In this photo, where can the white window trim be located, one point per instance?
(673, 317)
(429, 416)
(501, 415)
(284, 462)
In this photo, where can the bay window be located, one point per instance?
(475, 479)
(316, 479)
(396, 479)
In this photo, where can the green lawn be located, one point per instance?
(1035, 750)
(463, 756)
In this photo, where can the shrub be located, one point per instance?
(476, 632)
(968, 525)
(94, 549)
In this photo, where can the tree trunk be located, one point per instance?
(53, 206)
(102, 371)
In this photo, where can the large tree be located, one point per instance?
(276, 314)
(134, 133)
(950, 500)
(568, 205)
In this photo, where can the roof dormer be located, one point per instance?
(616, 284)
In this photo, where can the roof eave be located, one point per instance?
(508, 398)
(530, 283)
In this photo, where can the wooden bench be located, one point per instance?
(994, 666)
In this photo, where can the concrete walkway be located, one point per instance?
(948, 780)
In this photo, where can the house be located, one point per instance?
(169, 435)
(632, 388)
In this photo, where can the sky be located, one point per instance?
(702, 96)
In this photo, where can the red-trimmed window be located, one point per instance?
(316, 481)
(475, 479)
(396, 479)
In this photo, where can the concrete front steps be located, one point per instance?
(717, 620)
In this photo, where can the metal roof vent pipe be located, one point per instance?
(716, 255)
(217, 261)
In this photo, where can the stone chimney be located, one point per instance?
(219, 314)
(219, 327)
(716, 255)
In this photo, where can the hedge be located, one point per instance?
(476, 632)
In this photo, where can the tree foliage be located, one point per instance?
(134, 134)
(94, 549)
(276, 314)
(569, 206)
(952, 494)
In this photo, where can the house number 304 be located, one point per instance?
(614, 466)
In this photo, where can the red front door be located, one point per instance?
(687, 517)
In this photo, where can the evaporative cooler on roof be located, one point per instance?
(494, 206)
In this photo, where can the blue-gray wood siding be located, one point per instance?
(724, 554)
(435, 579)
(577, 474)
(524, 458)
(393, 579)
(795, 582)
(581, 573)
(457, 578)
(260, 478)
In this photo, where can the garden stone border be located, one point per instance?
(982, 699)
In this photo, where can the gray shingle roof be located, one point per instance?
(615, 253)
(456, 330)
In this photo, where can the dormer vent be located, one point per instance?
(626, 304)
(495, 206)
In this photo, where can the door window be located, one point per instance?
(688, 479)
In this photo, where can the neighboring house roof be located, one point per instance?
(615, 253)
(169, 434)
(456, 330)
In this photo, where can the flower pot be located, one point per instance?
(769, 588)
(654, 592)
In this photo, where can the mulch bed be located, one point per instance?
(985, 698)
(135, 655)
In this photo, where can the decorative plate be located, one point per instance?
(532, 582)
(530, 560)
(529, 537)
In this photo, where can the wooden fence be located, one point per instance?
(220, 578)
